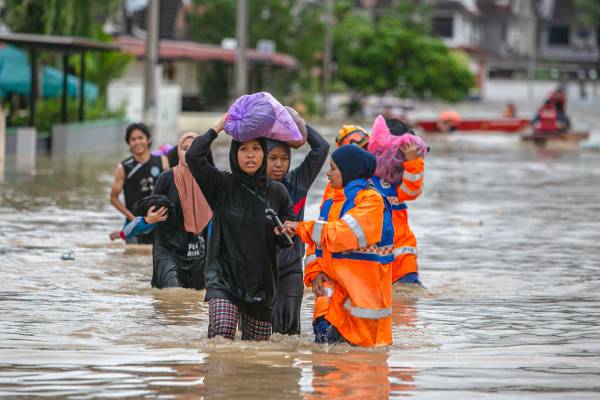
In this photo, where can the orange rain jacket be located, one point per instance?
(352, 243)
(405, 242)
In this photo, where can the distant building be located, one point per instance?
(186, 63)
(457, 23)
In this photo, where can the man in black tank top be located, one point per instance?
(135, 176)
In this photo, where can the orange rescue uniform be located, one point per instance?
(405, 242)
(352, 252)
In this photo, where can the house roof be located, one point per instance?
(56, 42)
(187, 50)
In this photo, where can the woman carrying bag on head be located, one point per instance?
(241, 272)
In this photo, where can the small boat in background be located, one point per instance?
(541, 138)
(500, 125)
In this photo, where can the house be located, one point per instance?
(456, 22)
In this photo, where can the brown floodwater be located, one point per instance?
(509, 250)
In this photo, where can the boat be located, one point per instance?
(557, 136)
(502, 125)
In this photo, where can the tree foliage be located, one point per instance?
(59, 17)
(389, 56)
(83, 18)
(589, 11)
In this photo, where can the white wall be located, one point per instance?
(131, 95)
(518, 90)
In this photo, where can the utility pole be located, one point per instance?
(533, 51)
(150, 113)
(241, 29)
(327, 54)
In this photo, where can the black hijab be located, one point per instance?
(259, 179)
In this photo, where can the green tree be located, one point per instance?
(387, 56)
(59, 17)
(589, 12)
(71, 18)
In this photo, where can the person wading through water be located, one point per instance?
(180, 213)
(135, 176)
(286, 319)
(241, 268)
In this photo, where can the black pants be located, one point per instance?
(286, 318)
(172, 270)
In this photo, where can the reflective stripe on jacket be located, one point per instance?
(405, 242)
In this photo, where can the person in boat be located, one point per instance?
(350, 255)
(286, 319)
(179, 214)
(241, 272)
(405, 267)
(549, 120)
(448, 121)
(510, 111)
(135, 176)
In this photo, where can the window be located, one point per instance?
(443, 26)
(558, 36)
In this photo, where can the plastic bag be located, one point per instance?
(301, 124)
(260, 115)
(386, 148)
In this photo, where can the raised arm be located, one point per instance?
(305, 174)
(414, 169)
(412, 180)
(198, 159)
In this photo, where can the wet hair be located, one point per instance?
(137, 126)
(397, 127)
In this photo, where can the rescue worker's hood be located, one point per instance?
(259, 179)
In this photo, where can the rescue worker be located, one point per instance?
(352, 134)
(286, 318)
(135, 176)
(179, 249)
(510, 111)
(448, 121)
(405, 269)
(548, 120)
(241, 272)
(350, 255)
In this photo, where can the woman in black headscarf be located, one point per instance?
(241, 272)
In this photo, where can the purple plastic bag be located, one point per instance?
(260, 115)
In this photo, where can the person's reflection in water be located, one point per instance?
(355, 375)
(404, 313)
(235, 371)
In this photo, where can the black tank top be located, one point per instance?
(140, 178)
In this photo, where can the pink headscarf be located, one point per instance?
(196, 211)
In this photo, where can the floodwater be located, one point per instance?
(509, 250)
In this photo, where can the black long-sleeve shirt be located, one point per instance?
(241, 261)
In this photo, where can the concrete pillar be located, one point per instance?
(26, 149)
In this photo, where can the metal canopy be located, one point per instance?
(65, 44)
(59, 43)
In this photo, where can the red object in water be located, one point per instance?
(506, 125)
